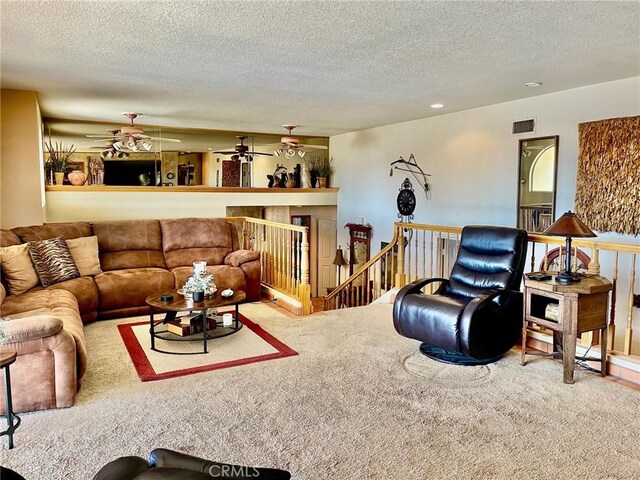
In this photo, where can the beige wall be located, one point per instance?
(21, 168)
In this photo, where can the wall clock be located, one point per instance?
(406, 200)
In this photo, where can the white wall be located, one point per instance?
(472, 157)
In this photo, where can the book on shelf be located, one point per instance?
(185, 330)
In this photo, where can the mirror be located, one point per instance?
(537, 183)
(192, 161)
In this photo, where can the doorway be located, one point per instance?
(326, 251)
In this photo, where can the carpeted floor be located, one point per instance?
(356, 403)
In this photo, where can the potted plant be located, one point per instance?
(197, 285)
(312, 163)
(324, 171)
(58, 157)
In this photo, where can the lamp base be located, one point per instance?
(566, 278)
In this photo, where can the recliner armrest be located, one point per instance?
(31, 328)
(237, 258)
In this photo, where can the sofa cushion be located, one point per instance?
(129, 244)
(224, 276)
(3, 293)
(187, 240)
(86, 293)
(8, 238)
(84, 251)
(57, 303)
(52, 230)
(118, 289)
(17, 269)
(53, 261)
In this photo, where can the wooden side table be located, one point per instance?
(7, 357)
(582, 307)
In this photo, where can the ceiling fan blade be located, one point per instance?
(260, 153)
(101, 136)
(232, 152)
(317, 147)
(162, 139)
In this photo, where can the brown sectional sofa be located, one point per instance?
(138, 258)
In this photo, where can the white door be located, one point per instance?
(327, 232)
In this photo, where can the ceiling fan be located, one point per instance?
(108, 150)
(132, 137)
(290, 145)
(241, 151)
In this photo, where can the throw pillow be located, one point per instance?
(17, 268)
(53, 261)
(84, 251)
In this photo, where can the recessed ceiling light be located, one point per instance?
(437, 105)
(533, 84)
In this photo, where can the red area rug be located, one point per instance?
(251, 344)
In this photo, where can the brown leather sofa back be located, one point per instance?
(51, 230)
(8, 238)
(129, 244)
(186, 240)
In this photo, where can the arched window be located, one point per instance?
(541, 174)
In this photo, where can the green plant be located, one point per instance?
(58, 155)
(198, 283)
(319, 166)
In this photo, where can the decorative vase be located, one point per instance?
(305, 181)
(291, 184)
(198, 296)
(313, 179)
(77, 178)
(322, 182)
(59, 177)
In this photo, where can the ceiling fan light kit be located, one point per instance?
(131, 137)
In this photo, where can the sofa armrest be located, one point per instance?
(31, 328)
(237, 258)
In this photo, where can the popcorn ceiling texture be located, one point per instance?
(332, 67)
(357, 403)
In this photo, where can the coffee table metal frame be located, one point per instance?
(13, 420)
(172, 308)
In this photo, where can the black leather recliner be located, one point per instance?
(476, 316)
(170, 465)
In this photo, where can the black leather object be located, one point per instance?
(167, 464)
(478, 311)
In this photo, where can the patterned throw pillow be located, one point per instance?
(53, 261)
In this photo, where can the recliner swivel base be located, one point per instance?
(442, 355)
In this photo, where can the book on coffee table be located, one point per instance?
(190, 329)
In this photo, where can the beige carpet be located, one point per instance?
(356, 403)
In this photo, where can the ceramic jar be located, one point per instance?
(77, 178)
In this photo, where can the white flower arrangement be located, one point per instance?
(199, 283)
(3, 329)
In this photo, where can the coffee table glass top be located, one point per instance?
(180, 303)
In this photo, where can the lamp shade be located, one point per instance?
(339, 258)
(568, 225)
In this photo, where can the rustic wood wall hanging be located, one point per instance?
(608, 181)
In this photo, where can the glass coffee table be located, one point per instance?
(207, 309)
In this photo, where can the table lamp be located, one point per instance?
(568, 225)
(339, 261)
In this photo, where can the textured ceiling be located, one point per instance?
(329, 66)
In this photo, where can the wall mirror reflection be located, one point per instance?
(538, 174)
(173, 156)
